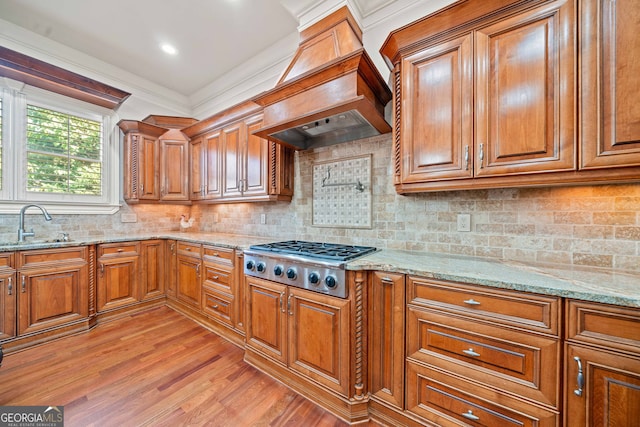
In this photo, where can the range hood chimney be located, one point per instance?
(330, 93)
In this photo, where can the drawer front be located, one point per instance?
(518, 309)
(7, 260)
(218, 278)
(217, 305)
(450, 401)
(52, 257)
(119, 249)
(218, 255)
(190, 249)
(600, 324)
(515, 362)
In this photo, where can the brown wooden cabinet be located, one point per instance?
(153, 268)
(155, 163)
(174, 167)
(8, 295)
(234, 165)
(188, 273)
(496, 100)
(219, 284)
(386, 338)
(306, 331)
(52, 288)
(602, 365)
(118, 275)
(609, 80)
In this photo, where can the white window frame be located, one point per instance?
(14, 195)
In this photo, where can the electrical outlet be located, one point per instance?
(464, 222)
(263, 218)
(128, 217)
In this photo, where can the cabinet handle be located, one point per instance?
(198, 269)
(481, 155)
(215, 277)
(141, 188)
(281, 302)
(289, 305)
(10, 286)
(187, 249)
(580, 377)
(471, 302)
(470, 416)
(173, 248)
(202, 190)
(215, 306)
(24, 285)
(101, 270)
(162, 193)
(470, 352)
(216, 254)
(466, 157)
(120, 250)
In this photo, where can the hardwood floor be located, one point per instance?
(153, 368)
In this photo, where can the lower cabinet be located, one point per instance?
(602, 365)
(153, 267)
(52, 288)
(7, 295)
(118, 275)
(219, 285)
(188, 266)
(307, 332)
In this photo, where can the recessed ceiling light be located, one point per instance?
(168, 49)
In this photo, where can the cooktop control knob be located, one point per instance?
(261, 267)
(291, 273)
(314, 278)
(251, 265)
(278, 270)
(330, 281)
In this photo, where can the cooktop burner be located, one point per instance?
(328, 251)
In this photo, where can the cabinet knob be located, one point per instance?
(471, 301)
(470, 415)
(470, 352)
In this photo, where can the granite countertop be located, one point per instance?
(590, 284)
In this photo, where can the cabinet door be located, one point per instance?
(152, 269)
(386, 337)
(608, 394)
(117, 282)
(188, 286)
(7, 304)
(609, 81)
(266, 328)
(319, 336)
(525, 100)
(256, 161)
(52, 297)
(437, 121)
(149, 169)
(233, 149)
(213, 166)
(197, 168)
(174, 170)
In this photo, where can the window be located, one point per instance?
(57, 151)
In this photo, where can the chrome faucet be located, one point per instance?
(21, 232)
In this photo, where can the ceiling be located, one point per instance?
(212, 36)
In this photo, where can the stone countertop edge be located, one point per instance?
(601, 285)
(608, 286)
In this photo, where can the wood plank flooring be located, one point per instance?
(155, 368)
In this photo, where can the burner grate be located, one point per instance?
(329, 251)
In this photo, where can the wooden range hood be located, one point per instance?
(330, 93)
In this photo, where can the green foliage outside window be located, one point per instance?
(63, 153)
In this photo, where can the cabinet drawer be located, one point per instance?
(451, 401)
(218, 255)
(601, 324)
(515, 362)
(7, 260)
(218, 278)
(119, 249)
(190, 249)
(522, 310)
(217, 305)
(52, 257)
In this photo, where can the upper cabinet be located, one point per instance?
(486, 95)
(610, 77)
(155, 159)
(231, 164)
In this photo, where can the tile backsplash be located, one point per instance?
(588, 225)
